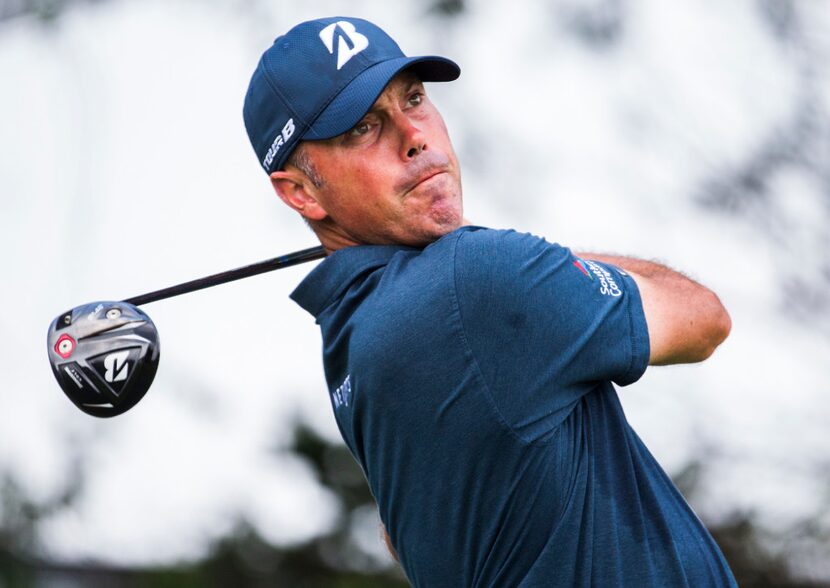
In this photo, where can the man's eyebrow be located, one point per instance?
(415, 82)
(413, 85)
(405, 89)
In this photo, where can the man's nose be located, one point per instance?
(413, 139)
(413, 151)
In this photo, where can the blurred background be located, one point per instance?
(696, 132)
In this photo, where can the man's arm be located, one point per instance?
(686, 321)
(385, 536)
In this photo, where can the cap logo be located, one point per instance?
(346, 49)
(282, 139)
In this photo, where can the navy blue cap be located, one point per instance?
(320, 78)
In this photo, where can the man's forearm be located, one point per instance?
(686, 321)
(641, 267)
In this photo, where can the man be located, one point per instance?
(470, 369)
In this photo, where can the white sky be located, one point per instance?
(125, 168)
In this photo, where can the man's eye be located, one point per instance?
(416, 99)
(360, 129)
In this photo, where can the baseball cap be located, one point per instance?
(320, 78)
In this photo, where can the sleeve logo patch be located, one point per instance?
(607, 285)
(578, 264)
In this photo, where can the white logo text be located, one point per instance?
(116, 362)
(607, 284)
(344, 52)
(343, 395)
(281, 140)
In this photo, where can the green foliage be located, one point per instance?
(332, 560)
(243, 558)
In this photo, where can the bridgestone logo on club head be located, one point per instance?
(117, 367)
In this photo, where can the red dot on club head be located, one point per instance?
(64, 346)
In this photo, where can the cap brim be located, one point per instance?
(355, 100)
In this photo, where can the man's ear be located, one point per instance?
(295, 189)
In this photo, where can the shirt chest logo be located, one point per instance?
(342, 396)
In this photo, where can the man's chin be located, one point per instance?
(439, 226)
(446, 217)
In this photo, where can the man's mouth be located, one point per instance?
(426, 167)
(429, 176)
(426, 178)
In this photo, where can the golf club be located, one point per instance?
(105, 354)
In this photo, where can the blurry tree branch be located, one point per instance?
(44, 10)
(753, 190)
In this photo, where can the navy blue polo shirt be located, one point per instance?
(472, 382)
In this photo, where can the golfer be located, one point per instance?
(471, 370)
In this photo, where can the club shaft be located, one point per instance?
(231, 275)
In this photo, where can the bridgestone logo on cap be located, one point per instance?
(282, 139)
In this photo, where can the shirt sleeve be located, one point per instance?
(545, 326)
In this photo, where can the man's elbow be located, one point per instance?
(685, 326)
(719, 327)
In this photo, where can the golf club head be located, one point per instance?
(104, 356)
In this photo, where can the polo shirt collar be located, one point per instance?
(330, 278)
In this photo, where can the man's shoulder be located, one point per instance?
(500, 250)
(474, 240)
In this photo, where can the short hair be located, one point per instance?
(302, 161)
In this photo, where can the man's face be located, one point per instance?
(394, 177)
